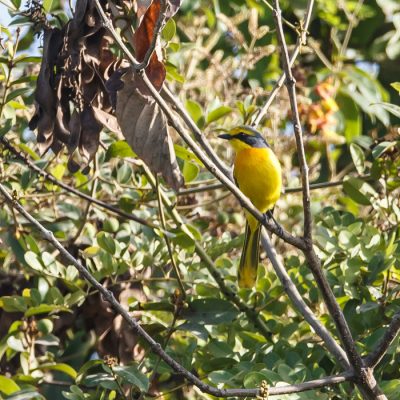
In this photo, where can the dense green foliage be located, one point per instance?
(221, 61)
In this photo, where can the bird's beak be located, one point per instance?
(225, 136)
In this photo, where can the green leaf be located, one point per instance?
(25, 394)
(8, 386)
(132, 375)
(158, 306)
(210, 311)
(59, 367)
(254, 379)
(195, 112)
(85, 368)
(6, 128)
(124, 173)
(28, 150)
(47, 5)
(396, 86)
(17, 3)
(219, 363)
(54, 296)
(358, 157)
(91, 252)
(12, 303)
(186, 155)
(106, 242)
(33, 261)
(171, 71)
(103, 379)
(379, 149)
(19, 21)
(45, 309)
(195, 329)
(169, 30)
(217, 114)
(190, 171)
(174, 46)
(119, 149)
(352, 186)
(392, 108)
(24, 79)
(15, 344)
(16, 93)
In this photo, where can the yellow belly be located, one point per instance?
(259, 177)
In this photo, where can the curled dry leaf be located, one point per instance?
(155, 71)
(145, 128)
(76, 63)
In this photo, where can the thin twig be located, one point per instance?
(55, 181)
(301, 40)
(182, 294)
(178, 309)
(391, 333)
(88, 205)
(181, 110)
(290, 84)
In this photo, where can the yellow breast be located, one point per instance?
(258, 174)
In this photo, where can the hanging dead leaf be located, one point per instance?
(142, 39)
(76, 63)
(145, 129)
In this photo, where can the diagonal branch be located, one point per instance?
(391, 333)
(154, 346)
(300, 304)
(180, 109)
(301, 40)
(52, 179)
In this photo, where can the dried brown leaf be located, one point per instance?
(142, 39)
(145, 128)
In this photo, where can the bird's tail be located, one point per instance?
(247, 273)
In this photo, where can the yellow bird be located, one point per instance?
(258, 175)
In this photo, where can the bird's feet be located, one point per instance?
(268, 216)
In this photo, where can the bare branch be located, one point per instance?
(366, 380)
(391, 333)
(301, 40)
(290, 84)
(302, 307)
(180, 109)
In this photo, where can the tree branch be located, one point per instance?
(154, 346)
(367, 383)
(290, 84)
(301, 40)
(181, 110)
(391, 333)
(300, 304)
